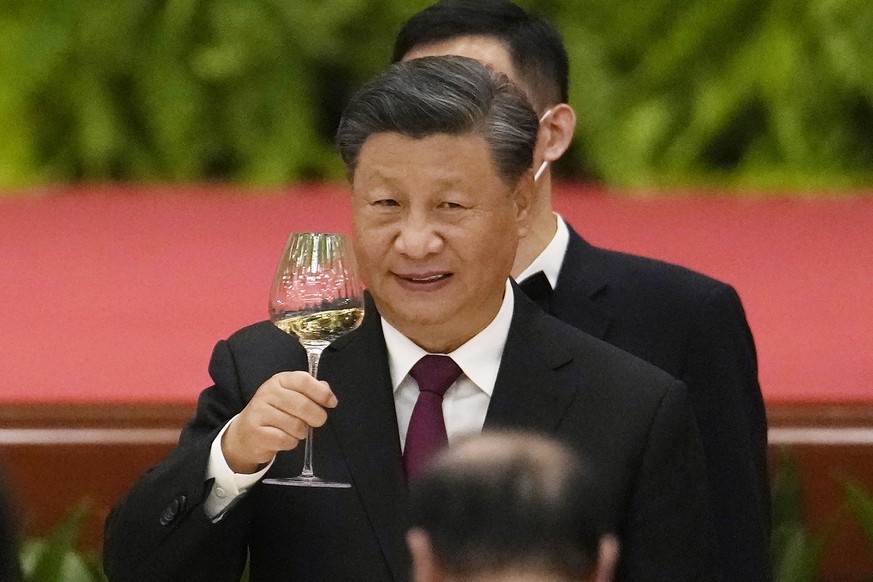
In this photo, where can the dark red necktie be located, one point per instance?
(427, 428)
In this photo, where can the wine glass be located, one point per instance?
(317, 297)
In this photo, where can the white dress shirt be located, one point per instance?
(466, 401)
(228, 486)
(464, 404)
(550, 260)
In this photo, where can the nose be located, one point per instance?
(418, 237)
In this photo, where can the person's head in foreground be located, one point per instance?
(439, 153)
(511, 507)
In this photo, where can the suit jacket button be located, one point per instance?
(170, 512)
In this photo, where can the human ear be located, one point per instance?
(607, 557)
(424, 565)
(556, 132)
(523, 202)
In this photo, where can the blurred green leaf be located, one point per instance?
(796, 553)
(861, 505)
(801, 558)
(54, 559)
(763, 94)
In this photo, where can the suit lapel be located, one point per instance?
(529, 394)
(579, 283)
(365, 425)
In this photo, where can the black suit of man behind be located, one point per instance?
(693, 327)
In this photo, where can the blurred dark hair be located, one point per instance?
(535, 46)
(503, 501)
(443, 95)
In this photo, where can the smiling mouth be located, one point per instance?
(425, 279)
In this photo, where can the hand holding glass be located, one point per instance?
(317, 297)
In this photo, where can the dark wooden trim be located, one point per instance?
(820, 415)
(175, 414)
(96, 414)
(102, 448)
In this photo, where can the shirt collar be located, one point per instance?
(550, 260)
(479, 357)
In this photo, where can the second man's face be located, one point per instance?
(436, 230)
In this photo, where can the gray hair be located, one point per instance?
(443, 95)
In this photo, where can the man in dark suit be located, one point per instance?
(509, 506)
(440, 155)
(687, 324)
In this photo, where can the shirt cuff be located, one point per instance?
(227, 486)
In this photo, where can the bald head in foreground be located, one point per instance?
(509, 506)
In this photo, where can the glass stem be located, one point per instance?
(313, 355)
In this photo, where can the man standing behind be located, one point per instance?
(687, 324)
(439, 153)
(508, 506)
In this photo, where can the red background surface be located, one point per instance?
(119, 293)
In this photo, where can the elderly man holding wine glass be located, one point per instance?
(440, 155)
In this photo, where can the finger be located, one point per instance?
(316, 390)
(246, 446)
(295, 405)
(286, 410)
(275, 439)
(265, 440)
(332, 400)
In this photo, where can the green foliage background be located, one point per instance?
(737, 93)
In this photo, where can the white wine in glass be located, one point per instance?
(316, 296)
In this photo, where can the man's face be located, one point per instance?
(485, 49)
(436, 230)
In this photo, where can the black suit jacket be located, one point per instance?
(693, 327)
(631, 420)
